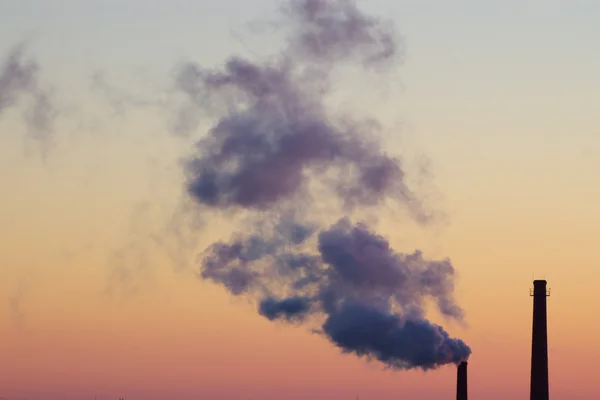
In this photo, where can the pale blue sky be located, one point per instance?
(129, 32)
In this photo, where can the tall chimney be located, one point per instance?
(461, 382)
(539, 344)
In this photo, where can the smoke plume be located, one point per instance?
(16, 305)
(369, 299)
(19, 79)
(274, 140)
(275, 152)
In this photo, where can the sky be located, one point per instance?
(498, 99)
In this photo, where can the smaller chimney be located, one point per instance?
(461, 382)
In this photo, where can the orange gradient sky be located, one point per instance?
(502, 101)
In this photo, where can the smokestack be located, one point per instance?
(461, 382)
(539, 343)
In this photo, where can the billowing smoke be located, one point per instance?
(275, 151)
(19, 79)
(369, 299)
(274, 140)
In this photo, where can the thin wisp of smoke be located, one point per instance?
(19, 78)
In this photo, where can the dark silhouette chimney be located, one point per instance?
(461, 382)
(539, 344)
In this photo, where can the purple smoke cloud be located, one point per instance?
(19, 78)
(271, 142)
(372, 298)
(272, 135)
